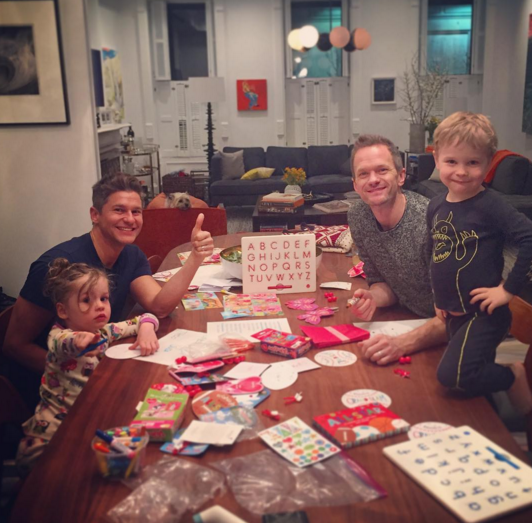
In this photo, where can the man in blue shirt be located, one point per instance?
(116, 217)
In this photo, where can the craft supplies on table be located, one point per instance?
(247, 328)
(335, 335)
(295, 441)
(282, 343)
(258, 304)
(200, 301)
(465, 471)
(161, 414)
(120, 451)
(362, 424)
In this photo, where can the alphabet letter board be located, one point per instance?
(474, 478)
(281, 264)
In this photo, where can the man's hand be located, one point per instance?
(83, 339)
(440, 314)
(146, 340)
(202, 242)
(381, 349)
(365, 306)
(491, 297)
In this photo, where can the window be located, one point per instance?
(449, 35)
(324, 16)
(187, 38)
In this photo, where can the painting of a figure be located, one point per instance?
(527, 106)
(251, 95)
(112, 81)
(18, 66)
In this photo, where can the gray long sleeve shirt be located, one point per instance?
(400, 256)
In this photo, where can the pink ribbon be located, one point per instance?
(338, 334)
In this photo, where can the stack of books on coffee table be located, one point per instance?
(281, 203)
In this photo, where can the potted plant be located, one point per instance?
(430, 127)
(420, 89)
(294, 179)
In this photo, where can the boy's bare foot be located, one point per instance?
(520, 393)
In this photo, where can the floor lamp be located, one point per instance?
(207, 90)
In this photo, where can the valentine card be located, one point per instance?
(295, 441)
(189, 449)
(250, 401)
(201, 367)
(245, 386)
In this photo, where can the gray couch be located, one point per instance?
(512, 180)
(327, 167)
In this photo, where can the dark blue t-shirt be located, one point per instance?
(130, 265)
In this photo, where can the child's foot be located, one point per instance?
(519, 393)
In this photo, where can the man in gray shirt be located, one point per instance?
(389, 228)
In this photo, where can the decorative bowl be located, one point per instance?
(231, 259)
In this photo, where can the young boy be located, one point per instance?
(469, 226)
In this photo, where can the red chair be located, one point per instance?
(165, 229)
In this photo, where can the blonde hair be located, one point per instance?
(473, 129)
(63, 275)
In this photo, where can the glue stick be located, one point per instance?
(216, 514)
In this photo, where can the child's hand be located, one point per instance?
(366, 306)
(147, 340)
(83, 339)
(440, 314)
(491, 297)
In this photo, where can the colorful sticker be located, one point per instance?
(190, 449)
(211, 401)
(295, 441)
(245, 386)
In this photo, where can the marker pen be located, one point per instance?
(91, 347)
(115, 444)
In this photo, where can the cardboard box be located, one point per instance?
(283, 343)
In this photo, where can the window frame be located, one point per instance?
(209, 24)
(289, 56)
(477, 36)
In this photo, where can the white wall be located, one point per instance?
(504, 71)
(46, 172)
(394, 30)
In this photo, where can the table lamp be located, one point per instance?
(207, 90)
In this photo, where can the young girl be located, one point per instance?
(80, 294)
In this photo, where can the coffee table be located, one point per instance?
(305, 214)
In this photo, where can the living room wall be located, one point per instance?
(46, 172)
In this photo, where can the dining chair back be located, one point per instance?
(521, 329)
(164, 229)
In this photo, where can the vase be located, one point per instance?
(292, 189)
(417, 138)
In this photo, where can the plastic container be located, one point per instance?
(121, 464)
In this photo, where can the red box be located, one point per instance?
(283, 343)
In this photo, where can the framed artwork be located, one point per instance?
(251, 95)
(527, 104)
(383, 90)
(113, 84)
(32, 83)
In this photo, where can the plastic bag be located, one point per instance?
(265, 483)
(167, 489)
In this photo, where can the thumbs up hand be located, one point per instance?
(202, 242)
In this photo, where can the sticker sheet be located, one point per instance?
(465, 471)
(200, 301)
(295, 441)
(259, 304)
(427, 428)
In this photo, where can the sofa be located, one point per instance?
(512, 180)
(328, 170)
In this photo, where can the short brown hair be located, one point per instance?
(474, 129)
(102, 189)
(62, 276)
(368, 140)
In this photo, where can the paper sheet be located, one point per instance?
(246, 369)
(211, 433)
(181, 342)
(212, 275)
(248, 327)
(298, 364)
(390, 328)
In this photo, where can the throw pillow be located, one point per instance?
(232, 165)
(258, 173)
(435, 176)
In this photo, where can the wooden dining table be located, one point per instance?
(65, 485)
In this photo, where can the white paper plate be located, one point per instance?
(122, 352)
(357, 397)
(335, 358)
(427, 428)
(279, 377)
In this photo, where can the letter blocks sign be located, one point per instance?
(281, 264)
